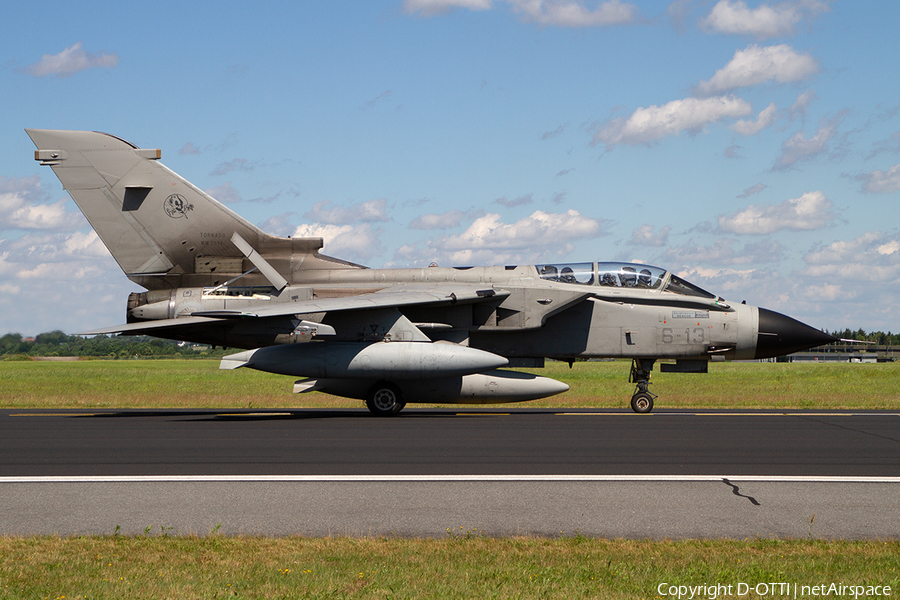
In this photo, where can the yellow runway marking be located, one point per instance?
(69, 414)
(598, 414)
(729, 414)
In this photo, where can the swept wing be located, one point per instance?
(394, 297)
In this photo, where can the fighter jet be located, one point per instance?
(387, 336)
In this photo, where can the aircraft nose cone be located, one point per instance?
(780, 335)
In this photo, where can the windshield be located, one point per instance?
(582, 273)
(620, 276)
(677, 285)
(629, 275)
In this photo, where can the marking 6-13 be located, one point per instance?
(697, 335)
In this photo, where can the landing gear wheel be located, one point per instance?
(642, 402)
(642, 399)
(384, 399)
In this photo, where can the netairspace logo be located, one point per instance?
(712, 591)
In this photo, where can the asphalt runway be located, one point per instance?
(613, 473)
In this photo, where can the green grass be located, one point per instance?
(455, 567)
(199, 384)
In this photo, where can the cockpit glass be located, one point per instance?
(582, 273)
(626, 275)
(677, 285)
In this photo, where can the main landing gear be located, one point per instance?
(384, 399)
(642, 400)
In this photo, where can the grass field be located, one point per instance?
(199, 384)
(464, 564)
(457, 567)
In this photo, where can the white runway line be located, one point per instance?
(441, 478)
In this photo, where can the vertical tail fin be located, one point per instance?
(162, 230)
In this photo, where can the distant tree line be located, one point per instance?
(879, 337)
(57, 343)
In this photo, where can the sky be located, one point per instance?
(750, 147)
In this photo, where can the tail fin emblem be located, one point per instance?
(176, 206)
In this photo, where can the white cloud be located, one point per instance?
(649, 124)
(753, 190)
(61, 270)
(873, 257)
(754, 65)
(722, 252)
(488, 240)
(760, 287)
(798, 108)
(559, 13)
(33, 248)
(238, 164)
(84, 245)
(71, 280)
(279, 224)
(844, 251)
(430, 8)
(798, 148)
(573, 13)
(891, 145)
(678, 12)
(42, 216)
(20, 207)
(189, 148)
(326, 232)
(520, 201)
(363, 212)
(539, 228)
(549, 135)
(64, 276)
(765, 118)
(848, 283)
(881, 182)
(765, 251)
(445, 220)
(812, 210)
(349, 242)
(733, 151)
(225, 193)
(764, 21)
(646, 236)
(70, 61)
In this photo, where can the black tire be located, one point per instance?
(384, 399)
(642, 402)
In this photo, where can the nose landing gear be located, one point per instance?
(642, 400)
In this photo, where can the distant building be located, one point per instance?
(844, 352)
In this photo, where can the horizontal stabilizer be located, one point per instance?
(148, 327)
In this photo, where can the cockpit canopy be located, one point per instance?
(622, 276)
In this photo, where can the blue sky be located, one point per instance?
(752, 147)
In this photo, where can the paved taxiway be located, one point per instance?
(518, 471)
